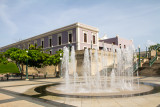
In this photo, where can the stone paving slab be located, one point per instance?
(5, 97)
(16, 83)
(20, 103)
(20, 89)
(126, 102)
(108, 102)
(54, 98)
(73, 101)
(23, 86)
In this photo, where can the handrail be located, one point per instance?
(155, 58)
(152, 61)
(135, 66)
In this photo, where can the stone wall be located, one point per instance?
(50, 70)
(108, 57)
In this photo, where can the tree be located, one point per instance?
(20, 58)
(9, 51)
(37, 58)
(54, 59)
(152, 47)
(3, 59)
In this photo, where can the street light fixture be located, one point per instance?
(139, 56)
(27, 67)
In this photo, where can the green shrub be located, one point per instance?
(8, 68)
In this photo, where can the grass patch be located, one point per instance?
(8, 68)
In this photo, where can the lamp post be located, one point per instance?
(156, 49)
(103, 46)
(91, 44)
(146, 51)
(52, 49)
(139, 56)
(60, 65)
(27, 67)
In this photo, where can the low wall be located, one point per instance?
(50, 70)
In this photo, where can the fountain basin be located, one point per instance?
(100, 92)
(144, 89)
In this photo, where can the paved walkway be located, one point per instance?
(19, 93)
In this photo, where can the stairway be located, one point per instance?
(146, 70)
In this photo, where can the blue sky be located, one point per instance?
(132, 19)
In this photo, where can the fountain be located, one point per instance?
(95, 78)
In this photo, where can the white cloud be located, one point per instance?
(5, 18)
(149, 43)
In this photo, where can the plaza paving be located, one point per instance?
(21, 93)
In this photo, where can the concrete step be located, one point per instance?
(146, 70)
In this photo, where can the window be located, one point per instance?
(120, 46)
(70, 38)
(29, 45)
(59, 40)
(23, 46)
(85, 48)
(100, 48)
(94, 39)
(35, 44)
(113, 43)
(42, 44)
(85, 37)
(50, 41)
(124, 46)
